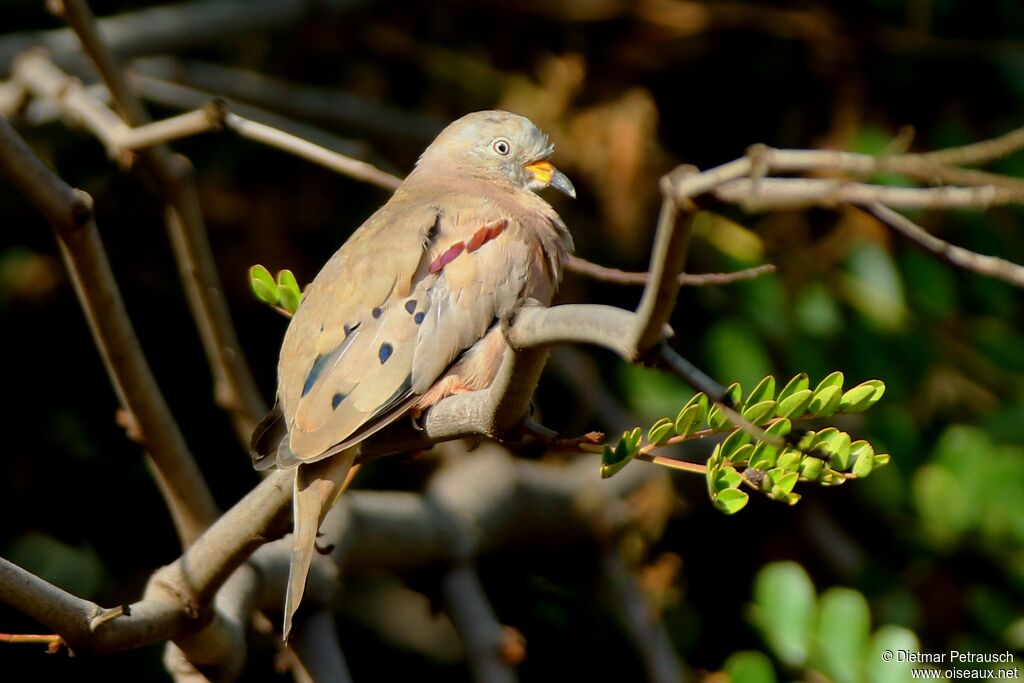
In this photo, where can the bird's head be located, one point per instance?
(502, 144)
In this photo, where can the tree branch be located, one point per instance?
(69, 213)
(667, 258)
(581, 266)
(234, 387)
(944, 251)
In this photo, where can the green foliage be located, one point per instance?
(749, 666)
(771, 465)
(830, 635)
(283, 293)
(974, 487)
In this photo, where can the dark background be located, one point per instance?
(935, 541)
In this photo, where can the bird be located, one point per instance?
(411, 308)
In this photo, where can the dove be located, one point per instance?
(410, 309)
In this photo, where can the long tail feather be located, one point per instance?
(316, 487)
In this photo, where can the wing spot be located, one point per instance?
(347, 329)
(336, 400)
(410, 306)
(377, 311)
(385, 352)
(419, 317)
(314, 373)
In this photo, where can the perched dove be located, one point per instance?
(409, 310)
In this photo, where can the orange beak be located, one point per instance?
(549, 176)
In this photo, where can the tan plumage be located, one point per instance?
(408, 310)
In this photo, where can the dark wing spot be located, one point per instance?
(347, 329)
(377, 311)
(410, 306)
(314, 373)
(385, 352)
(336, 400)
(419, 317)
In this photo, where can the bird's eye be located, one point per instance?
(501, 146)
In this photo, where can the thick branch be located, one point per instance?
(667, 258)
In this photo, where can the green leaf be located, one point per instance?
(810, 468)
(263, 285)
(613, 460)
(862, 396)
(687, 421)
(837, 445)
(794, 405)
(763, 456)
(779, 428)
(286, 278)
(834, 379)
(759, 413)
(783, 611)
(733, 442)
(891, 639)
(749, 666)
(728, 478)
(798, 383)
(844, 625)
(633, 438)
(882, 460)
(790, 460)
(661, 431)
(692, 415)
(742, 454)
(788, 481)
(717, 418)
(288, 298)
(862, 458)
(731, 501)
(764, 391)
(826, 401)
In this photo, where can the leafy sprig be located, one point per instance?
(283, 293)
(828, 456)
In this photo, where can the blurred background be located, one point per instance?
(932, 544)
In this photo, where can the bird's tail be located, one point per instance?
(317, 485)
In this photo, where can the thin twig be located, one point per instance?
(979, 152)
(360, 170)
(922, 167)
(622, 277)
(776, 193)
(992, 266)
(325, 106)
(69, 213)
(177, 96)
(234, 387)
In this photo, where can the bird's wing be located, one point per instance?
(390, 312)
